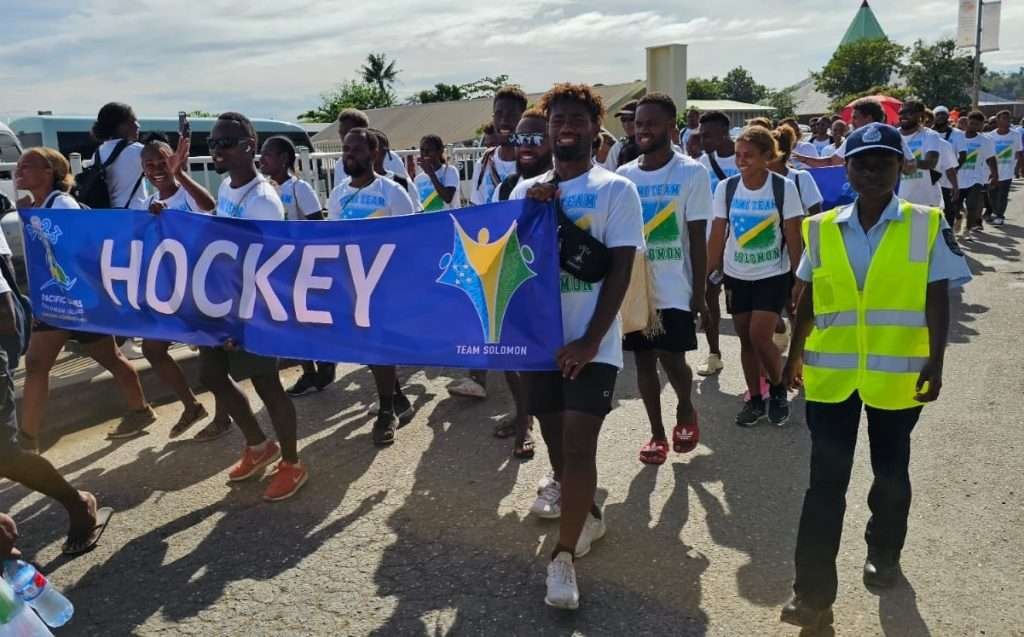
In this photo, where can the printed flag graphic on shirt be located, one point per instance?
(660, 224)
(971, 161)
(1004, 154)
(753, 232)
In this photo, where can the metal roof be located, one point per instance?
(458, 122)
(864, 26)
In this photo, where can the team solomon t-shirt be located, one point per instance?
(255, 200)
(299, 199)
(606, 205)
(430, 199)
(1007, 147)
(753, 248)
(974, 170)
(917, 187)
(671, 197)
(381, 198)
(180, 200)
(727, 164)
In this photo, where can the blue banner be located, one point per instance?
(834, 188)
(475, 288)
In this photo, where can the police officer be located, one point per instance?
(872, 326)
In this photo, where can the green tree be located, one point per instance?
(440, 93)
(380, 72)
(1009, 85)
(348, 94)
(484, 87)
(858, 66)
(699, 88)
(199, 114)
(782, 102)
(899, 92)
(738, 84)
(938, 74)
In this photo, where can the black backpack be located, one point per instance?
(91, 184)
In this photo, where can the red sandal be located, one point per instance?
(686, 436)
(654, 452)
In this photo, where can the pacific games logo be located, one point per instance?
(48, 233)
(488, 272)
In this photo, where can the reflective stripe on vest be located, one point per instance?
(871, 338)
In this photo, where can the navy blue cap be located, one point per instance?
(874, 136)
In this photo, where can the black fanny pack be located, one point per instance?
(579, 253)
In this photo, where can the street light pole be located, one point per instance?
(977, 59)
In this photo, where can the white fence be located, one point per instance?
(315, 167)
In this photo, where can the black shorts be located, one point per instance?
(591, 392)
(765, 295)
(84, 338)
(680, 334)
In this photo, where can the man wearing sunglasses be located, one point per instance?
(624, 150)
(245, 194)
(533, 158)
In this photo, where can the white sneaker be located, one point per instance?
(712, 365)
(469, 388)
(548, 504)
(593, 530)
(131, 350)
(543, 482)
(562, 589)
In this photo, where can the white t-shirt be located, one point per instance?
(808, 188)
(611, 162)
(917, 187)
(483, 188)
(727, 164)
(1007, 147)
(381, 198)
(429, 199)
(607, 205)
(804, 148)
(60, 200)
(298, 198)
(671, 197)
(685, 135)
(975, 167)
(753, 247)
(819, 146)
(947, 160)
(393, 163)
(410, 189)
(257, 199)
(123, 174)
(180, 200)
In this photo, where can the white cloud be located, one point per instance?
(275, 59)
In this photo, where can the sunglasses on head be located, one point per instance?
(527, 139)
(223, 143)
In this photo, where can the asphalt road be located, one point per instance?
(430, 536)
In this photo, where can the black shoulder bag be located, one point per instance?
(579, 253)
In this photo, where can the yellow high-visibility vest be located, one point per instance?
(875, 340)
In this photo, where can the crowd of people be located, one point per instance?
(864, 287)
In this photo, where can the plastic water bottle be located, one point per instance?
(32, 588)
(16, 619)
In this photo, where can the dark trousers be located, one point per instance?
(950, 206)
(833, 440)
(1000, 197)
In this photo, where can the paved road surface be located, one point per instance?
(429, 537)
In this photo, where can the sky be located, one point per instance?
(274, 60)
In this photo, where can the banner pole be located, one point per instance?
(976, 104)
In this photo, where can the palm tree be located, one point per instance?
(379, 71)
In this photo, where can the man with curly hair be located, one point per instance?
(571, 403)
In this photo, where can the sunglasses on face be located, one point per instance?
(527, 139)
(223, 143)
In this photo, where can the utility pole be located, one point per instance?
(977, 58)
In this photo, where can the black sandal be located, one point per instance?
(524, 449)
(216, 429)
